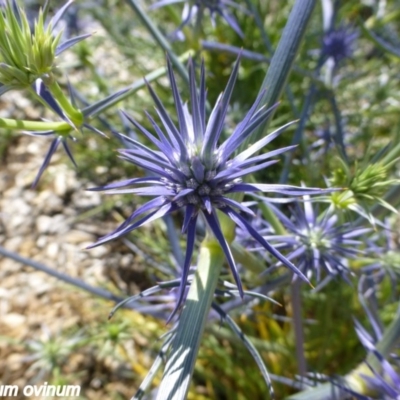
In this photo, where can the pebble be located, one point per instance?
(13, 244)
(52, 250)
(13, 320)
(53, 224)
(44, 224)
(79, 237)
(48, 202)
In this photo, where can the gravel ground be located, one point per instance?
(47, 226)
(44, 225)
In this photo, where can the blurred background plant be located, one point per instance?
(345, 91)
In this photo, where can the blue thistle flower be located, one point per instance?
(196, 8)
(318, 242)
(191, 172)
(339, 43)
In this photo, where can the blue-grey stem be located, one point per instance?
(106, 103)
(228, 48)
(159, 38)
(305, 112)
(59, 275)
(295, 298)
(252, 55)
(339, 137)
(174, 240)
(181, 360)
(283, 59)
(268, 46)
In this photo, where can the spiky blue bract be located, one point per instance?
(318, 242)
(190, 171)
(195, 9)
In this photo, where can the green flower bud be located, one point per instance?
(24, 55)
(366, 184)
(27, 55)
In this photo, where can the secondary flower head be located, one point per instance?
(191, 172)
(318, 242)
(339, 43)
(196, 8)
(27, 55)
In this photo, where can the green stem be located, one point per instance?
(14, 124)
(247, 259)
(269, 216)
(75, 115)
(159, 38)
(392, 155)
(380, 212)
(181, 360)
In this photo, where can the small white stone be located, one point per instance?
(52, 250)
(13, 320)
(76, 237)
(44, 224)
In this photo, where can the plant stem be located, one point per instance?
(159, 38)
(122, 94)
(14, 124)
(247, 259)
(295, 298)
(61, 276)
(75, 115)
(283, 59)
(268, 46)
(181, 360)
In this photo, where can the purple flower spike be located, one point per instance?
(190, 171)
(195, 9)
